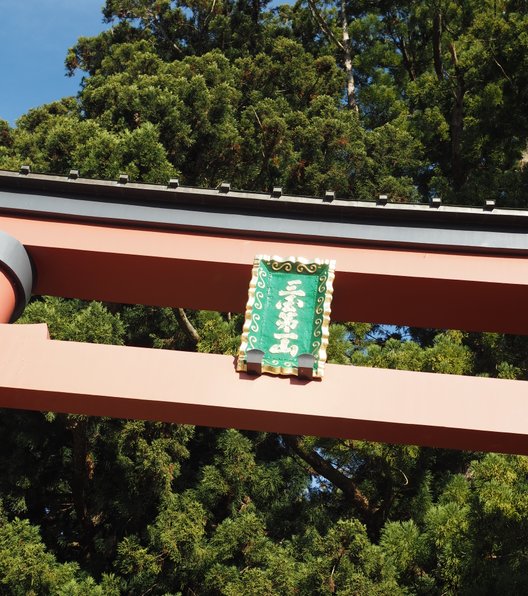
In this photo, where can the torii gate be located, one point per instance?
(421, 265)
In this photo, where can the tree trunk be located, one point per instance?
(81, 473)
(343, 45)
(437, 44)
(347, 50)
(457, 129)
(457, 124)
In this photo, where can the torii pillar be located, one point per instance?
(7, 298)
(16, 278)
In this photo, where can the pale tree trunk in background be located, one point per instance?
(347, 50)
(343, 45)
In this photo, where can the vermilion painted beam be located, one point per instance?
(358, 403)
(408, 287)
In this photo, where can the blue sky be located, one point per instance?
(34, 38)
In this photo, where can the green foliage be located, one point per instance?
(447, 355)
(27, 568)
(73, 320)
(338, 344)
(241, 92)
(149, 506)
(218, 335)
(234, 91)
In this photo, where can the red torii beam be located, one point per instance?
(456, 284)
(350, 402)
(422, 288)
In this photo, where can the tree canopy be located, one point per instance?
(414, 100)
(408, 99)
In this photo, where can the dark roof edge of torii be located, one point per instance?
(436, 226)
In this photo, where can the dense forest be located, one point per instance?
(408, 99)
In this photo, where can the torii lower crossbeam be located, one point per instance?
(360, 403)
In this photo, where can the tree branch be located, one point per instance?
(155, 22)
(324, 468)
(501, 69)
(186, 326)
(453, 52)
(324, 25)
(210, 13)
(407, 62)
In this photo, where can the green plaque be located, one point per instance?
(287, 315)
